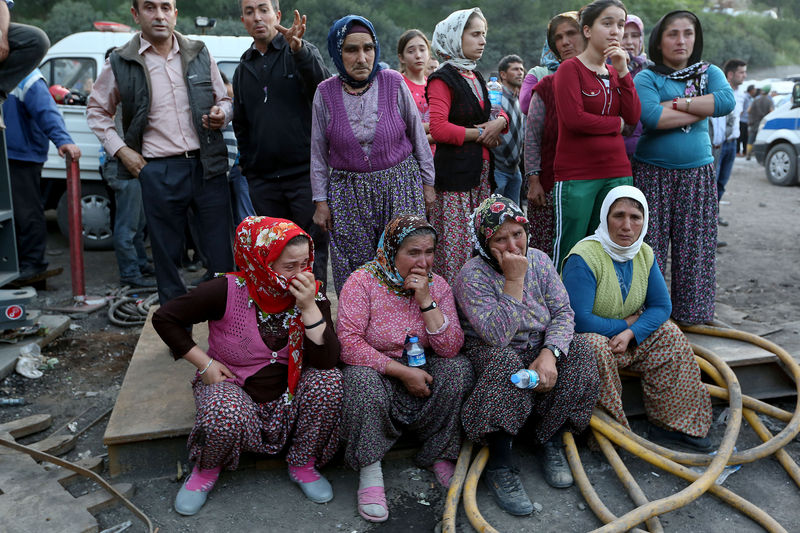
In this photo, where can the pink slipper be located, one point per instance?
(372, 496)
(444, 471)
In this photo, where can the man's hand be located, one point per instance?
(132, 160)
(294, 35)
(70, 149)
(215, 118)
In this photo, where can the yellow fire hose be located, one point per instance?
(607, 431)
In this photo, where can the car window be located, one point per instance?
(228, 67)
(76, 74)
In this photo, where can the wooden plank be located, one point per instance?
(29, 425)
(100, 499)
(732, 351)
(155, 400)
(66, 476)
(55, 444)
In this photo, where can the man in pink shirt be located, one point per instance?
(173, 106)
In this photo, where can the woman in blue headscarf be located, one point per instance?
(366, 128)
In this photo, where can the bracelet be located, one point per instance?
(688, 103)
(206, 368)
(675, 103)
(480, 131)
(431, 307)
(315, 324)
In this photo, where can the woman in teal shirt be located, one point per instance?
(673, 165)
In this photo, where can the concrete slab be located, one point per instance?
(54, 326)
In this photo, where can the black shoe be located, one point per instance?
(700, 444)
(139, 283)
(506, 488)
(554, 464)
(721, 244)
(722, 222)
(147, 270)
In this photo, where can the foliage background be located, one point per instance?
(515, 26)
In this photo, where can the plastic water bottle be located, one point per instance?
(415, 353)
(525, 379)
(495, 96)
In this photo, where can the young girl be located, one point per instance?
(594, 101)
(413, 52)
(461, 126)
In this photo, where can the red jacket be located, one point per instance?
(590, 145)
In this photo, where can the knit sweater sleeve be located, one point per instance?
(320, 118)
(582, 288)
(657, 306)
(526, 92)
(416, 133)
(569, 104)
(442, 130)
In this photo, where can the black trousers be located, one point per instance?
(741, 143)
(290, 197)
(27, 45)
(170, 187)
(29, 223)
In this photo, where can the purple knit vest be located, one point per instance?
(390, 145)
(235, 341)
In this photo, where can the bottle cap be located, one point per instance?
(514, 378)
(493, 78)
(413, 339)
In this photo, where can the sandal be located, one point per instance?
(443, 470)
(372, 496)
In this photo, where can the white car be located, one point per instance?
(777, 144)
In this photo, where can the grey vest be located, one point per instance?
(133, 81)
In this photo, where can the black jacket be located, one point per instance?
(272, 109)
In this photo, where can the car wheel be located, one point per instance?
(781, 165)
(95, 216)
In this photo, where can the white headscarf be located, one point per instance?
(619, 253)
(447, 39)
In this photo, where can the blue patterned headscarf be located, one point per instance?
(336, 37)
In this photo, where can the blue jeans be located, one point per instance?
(240, 196)
(129, 224)
(508, 184)
(726, 159)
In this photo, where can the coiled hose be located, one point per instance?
(129, 307)
(609, 432)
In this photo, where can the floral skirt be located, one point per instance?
(361, 205)
(542, 223)
(495, 404)
(228, 422)
(450, 218)
(674, 396)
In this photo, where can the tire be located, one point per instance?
(95, 216)
(781, 165)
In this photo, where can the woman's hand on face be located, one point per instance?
(513, 266)
(618, 57)
(545, 366)
(491, 132)
(304, 289)
(216, 372)
(417, 281)
(417, 382)
(619, 342)
(322, 216)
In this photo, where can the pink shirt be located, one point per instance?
(169, 129)
(372, 323)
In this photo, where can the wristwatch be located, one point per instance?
(431, 307)
(556, 351)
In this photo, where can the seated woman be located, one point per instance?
(622, 309)
(382, 304)
(268, 381)
(516, 315)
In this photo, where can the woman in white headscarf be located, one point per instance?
(622, 309)
(462, 127)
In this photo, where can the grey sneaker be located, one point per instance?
(506, 488)
(555, 466)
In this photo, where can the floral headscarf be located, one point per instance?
(336, 36)
(383, 267)
(620, 254)
(487, 219)
(447, 39)
(258, 242)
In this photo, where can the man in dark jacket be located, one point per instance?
(174, 105)
(274, 88)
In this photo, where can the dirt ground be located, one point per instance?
(758, 291)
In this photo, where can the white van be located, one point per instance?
(777, 144)
(74, 63)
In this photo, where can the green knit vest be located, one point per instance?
(608, 298)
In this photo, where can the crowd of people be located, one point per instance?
(413, 180)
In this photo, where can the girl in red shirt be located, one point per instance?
(594, 101)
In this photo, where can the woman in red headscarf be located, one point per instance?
(268, 380)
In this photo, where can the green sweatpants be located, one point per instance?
(576, 207)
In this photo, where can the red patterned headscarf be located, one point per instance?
(258, 242)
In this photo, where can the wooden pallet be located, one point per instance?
(33, 496)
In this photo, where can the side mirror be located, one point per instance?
(796, 95)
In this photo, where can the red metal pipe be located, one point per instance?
(75, 230)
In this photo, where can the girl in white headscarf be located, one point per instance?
(622, 309)
(462, 127)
